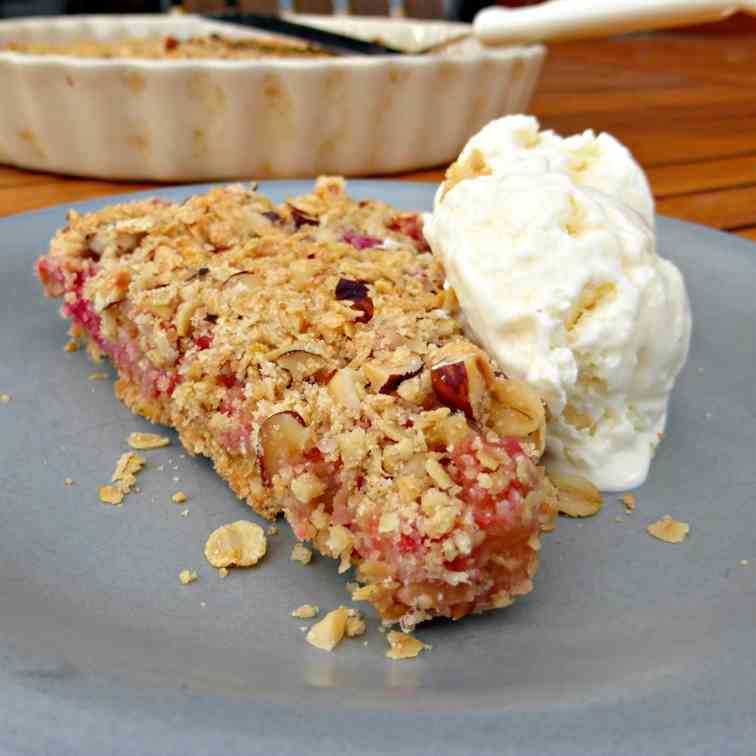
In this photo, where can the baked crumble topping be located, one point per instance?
(311, 350)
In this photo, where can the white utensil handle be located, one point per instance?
(579, 19)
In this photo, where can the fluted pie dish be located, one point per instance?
(189, 119)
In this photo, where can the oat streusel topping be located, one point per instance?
(311, 351)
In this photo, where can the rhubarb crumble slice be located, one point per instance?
(311, 351)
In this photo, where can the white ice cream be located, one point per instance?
(562, 285)
(514, 144)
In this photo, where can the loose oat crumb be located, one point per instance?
(403, 646)
(629, 501)
(98, 376)
(669, 530)
(223, 572)
(123, 480)
(329, 632)
(179, 497)
(187, 576)
(184, 513)
(306, 611)
(71, 346)
(744, 563)
(68, 482)
(355, 624)
(272, 530)
(111, 495)
(241, 543)
(5, 398)
(301, 554)
(142, 441)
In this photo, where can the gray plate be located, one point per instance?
(627, 646)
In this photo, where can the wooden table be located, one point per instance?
(685, 104)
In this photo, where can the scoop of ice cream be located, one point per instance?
(515, 145)
(563, 287)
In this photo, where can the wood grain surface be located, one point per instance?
(684, 103)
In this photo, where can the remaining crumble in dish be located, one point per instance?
(210, 47)
(311, 351)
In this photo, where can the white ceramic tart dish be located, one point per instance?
(177, 120)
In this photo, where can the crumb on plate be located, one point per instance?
(5, 398)
(301, 554)
(187, 576)
(241, 543)
(669, 530)
(403, 646)
(68, 481)
(179, 497)
(71, 346)
(629, 501)
(355, 624)
(123, 480)
(306, 611)
(576, 496)
(98, 376)
(143, 441)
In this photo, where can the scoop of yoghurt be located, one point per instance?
(514, 144)
(561, 283)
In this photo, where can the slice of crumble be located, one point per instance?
(311, 351)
